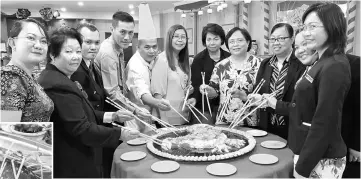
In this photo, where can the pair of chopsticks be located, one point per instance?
(113, 103)
(205, 92)
(251, 112)
(155, 140)
(16, 175)
(228, 98)
(165, 124)
(245, 106)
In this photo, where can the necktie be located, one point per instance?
(122, 75)
(91, 70)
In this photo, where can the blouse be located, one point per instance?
(171, 85)
(222, 79)
(19, 91)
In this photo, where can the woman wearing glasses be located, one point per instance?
(234, 77)
(315, 119)
(28, 45)
(280, 73)
(171, 75)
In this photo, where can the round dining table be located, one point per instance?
(245, 167)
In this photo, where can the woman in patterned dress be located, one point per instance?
(171, 75)
(28, 44)
(234, 77)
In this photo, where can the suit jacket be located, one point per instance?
(78, 133)
(94, 88)
(351, 108)
(318, 100)
(295, 71)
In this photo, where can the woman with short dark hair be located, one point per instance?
(317, 103)
(28, 45)
(79, 134)
(213, 38)
(235, 76)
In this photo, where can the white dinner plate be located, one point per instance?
(257, 133)
(263, 159)
(133, 156)
(221, 169)
(273, 144)
(165, 166)
(137, 141)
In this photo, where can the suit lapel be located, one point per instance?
(267, 77)
(292, 72)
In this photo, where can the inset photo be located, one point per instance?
(26, 150)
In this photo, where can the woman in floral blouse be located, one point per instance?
(240, 68)
(28, 44)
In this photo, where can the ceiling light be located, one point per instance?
(183, 15)
(224, 5)
(80, 4)
(200, 12)
(247, 1)
(131, 6)
(132, 12)
(219, 8)
(209, 11)
(63, 9)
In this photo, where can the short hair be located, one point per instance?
(214, 29)
(183, 54)
(244, 32)
(19, 25)
(333, 21)
(88, 25)
(288, 27)
(59, 37)
(121, 16)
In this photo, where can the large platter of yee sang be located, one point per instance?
(202, 142)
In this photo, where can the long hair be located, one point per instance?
(183, 61)
(334, 22)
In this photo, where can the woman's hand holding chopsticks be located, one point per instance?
(143, 114)
(129, 134)
(190, 101)
(207, 89)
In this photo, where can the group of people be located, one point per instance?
(309, 88)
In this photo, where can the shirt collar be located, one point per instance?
(115, 46)
(274, 58)
(145, 63)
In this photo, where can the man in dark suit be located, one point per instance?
(90, 80)
(351, 121)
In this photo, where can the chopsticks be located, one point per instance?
(244, 117)
(155, 140)
(185, 99)
(197, 111)
(245, 106)
(178, 112)
(110, 101)
(205, 91)
(194, 114)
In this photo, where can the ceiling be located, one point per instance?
(89, 6)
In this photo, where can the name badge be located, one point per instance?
(309, 78)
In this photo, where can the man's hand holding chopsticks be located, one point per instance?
(122, 116)
(143, 114)
(129, 134)
(271, 100)
(163, 104)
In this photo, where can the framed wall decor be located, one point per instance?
(227, 27)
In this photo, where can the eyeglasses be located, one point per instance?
(279, 39)
(310, 27)
(33, 40)
(238, 41)
(181, 37)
